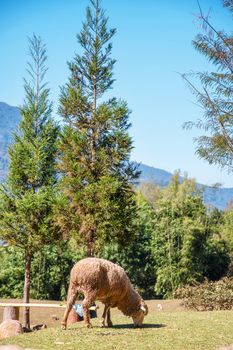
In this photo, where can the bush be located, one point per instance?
(208, 296)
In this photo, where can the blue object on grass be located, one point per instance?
(79, 310)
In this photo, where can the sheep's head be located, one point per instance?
(138, 316)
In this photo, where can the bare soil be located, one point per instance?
(52, 317)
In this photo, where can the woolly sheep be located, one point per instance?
(100, 279)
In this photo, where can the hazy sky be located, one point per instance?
(152, 44)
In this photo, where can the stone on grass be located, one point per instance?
(10, 328)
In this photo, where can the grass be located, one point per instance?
(169, 329)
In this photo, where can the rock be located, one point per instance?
(10, 328)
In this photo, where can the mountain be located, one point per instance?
(9, 120)
(217, 197)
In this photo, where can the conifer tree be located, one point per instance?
(215, 96)
(95, 146)
(27, 197)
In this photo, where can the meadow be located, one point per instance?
(166, 328)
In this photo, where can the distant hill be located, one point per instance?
(217, 197)
(9, 120)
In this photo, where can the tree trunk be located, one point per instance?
(94, 94)
(90, 250)
(93, 141)
(26, 291)
(91, 244)
(11, 313)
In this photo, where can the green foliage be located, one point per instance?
(11, 273)
(28, 197)
(98, 203)
(51, 265)
(186, 242)
(217, 259)
(226, 230)
(215, 97)
(32, 155)
(176, 242)
(26, 220)
(136, 257)
(50, 271)
(208, 296)
(152, 193)
(227, 227)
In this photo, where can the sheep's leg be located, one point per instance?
(109, 321)
(88, 300)
(106, 318)
(103, 322)
(72, 294)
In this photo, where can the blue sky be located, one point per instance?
(152, 44)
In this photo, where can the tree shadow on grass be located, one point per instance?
(144, 325)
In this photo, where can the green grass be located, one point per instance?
(162, 330)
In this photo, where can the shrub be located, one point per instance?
(208, 296)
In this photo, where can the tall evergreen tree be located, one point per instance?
(95, 146)
(27, 198)
(215, 96)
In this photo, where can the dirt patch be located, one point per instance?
(52, 317)
(49, 316)
(165, 305)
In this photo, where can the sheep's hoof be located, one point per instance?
(63, 327)
(89, 325)
(103, 325)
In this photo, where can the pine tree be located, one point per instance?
(28, 196)
(215, 97)
(95, 146)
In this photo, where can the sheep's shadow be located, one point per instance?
(144, 325)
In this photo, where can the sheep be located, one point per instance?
(10, 328)
(100, 279)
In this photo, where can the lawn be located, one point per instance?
(171, 328)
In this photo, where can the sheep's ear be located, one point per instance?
(144, 309)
